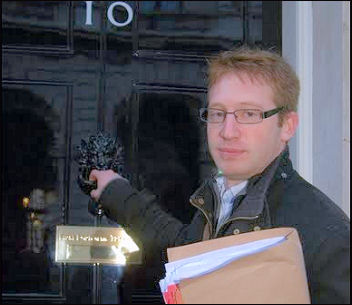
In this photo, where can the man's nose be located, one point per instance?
(230, 127)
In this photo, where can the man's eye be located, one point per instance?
(249, 113)
(216, 114)
(219, 114)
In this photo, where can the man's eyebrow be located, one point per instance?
(247, 105)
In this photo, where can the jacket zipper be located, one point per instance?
(228, 221)
(216, 196)
(205, 214)
(217, 205)
(234, 219)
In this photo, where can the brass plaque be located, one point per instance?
(103, 245)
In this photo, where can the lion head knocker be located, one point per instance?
(100, 152)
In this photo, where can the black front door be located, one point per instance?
(136, 70)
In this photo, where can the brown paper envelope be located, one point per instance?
(276, 275)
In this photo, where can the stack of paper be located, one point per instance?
(202, 264)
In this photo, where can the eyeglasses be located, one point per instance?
(242, 116)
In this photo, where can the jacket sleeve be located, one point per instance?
(139, 213)
(330, 278)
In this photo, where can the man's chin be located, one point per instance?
(234, 173)
(233, 165)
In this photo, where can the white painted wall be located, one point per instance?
(346, 32)
(316, 43)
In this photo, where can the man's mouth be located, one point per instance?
(230, 152)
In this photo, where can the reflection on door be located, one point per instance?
(32, 166)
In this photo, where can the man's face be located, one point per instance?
(241, 151)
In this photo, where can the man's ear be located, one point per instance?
(289, 126)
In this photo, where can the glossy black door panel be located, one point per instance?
(37, 26)
(36, 121)
(200, 27)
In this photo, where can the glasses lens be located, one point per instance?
(249, 116)
(216, 116)
(211, 115)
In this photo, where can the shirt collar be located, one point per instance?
(237, 189)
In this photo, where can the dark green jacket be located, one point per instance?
(279, 197)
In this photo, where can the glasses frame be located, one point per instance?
(265, 114)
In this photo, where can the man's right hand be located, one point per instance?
(103, 178)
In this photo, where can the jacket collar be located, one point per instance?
(253, 202)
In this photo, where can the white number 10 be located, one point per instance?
(111, 18)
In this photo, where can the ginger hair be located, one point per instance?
(262, 66)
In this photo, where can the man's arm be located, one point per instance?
(330, 278)
(136, 210)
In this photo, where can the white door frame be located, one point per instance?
(297, 48)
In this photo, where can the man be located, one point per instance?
(251, 116)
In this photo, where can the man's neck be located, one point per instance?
(230, 183)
